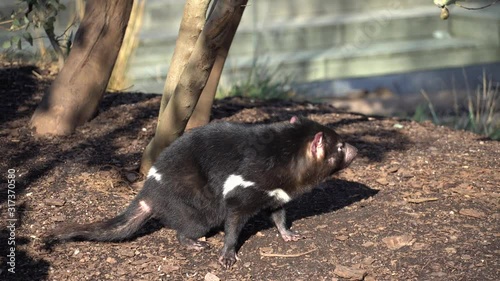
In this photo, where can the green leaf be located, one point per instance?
(16, 23)
(16, 41)
(6, 44)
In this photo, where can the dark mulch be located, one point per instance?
(421, 202)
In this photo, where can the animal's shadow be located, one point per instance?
(329, 196)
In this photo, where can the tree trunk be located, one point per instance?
(193, 20)
(75, 94)
(221, 24)
(201, 114)
(119, 80)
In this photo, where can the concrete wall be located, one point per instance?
(322, 40)
(319, 41)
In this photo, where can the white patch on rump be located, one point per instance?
(154, 173)
(144, 207)
(280, 195)
(234, 181)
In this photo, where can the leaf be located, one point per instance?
(16, 41)
(16, 23)
(6, 44)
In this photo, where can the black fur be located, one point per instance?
(293, 156)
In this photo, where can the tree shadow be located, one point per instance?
(18, 88)
(328, 197)
(13, 258)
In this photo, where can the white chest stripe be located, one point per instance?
(234, 181)
(280, 195)
(154, 173)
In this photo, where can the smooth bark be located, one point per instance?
(75, 94)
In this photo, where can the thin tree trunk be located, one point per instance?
(222, 23)
(119, 80)
(193, 20)
(201, 114)
(75, 94)
(57, 49)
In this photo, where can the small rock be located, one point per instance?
(392, 169)
(398, 126)
(382, 181)
(397, 242)
(131, 177)
(472, 213)
(54, 202)
(211, 277)
(349, 272)
(111, 260)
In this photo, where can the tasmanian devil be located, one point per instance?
(223, 174)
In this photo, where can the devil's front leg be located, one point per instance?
(232, 228)
(279, 218)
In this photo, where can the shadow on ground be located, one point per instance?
(17, 264)
(328, 197)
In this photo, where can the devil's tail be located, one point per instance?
(118, 228)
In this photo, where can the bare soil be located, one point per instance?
(421, 202)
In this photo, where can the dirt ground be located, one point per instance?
(420, 202)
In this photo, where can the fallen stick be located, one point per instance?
(287, 255)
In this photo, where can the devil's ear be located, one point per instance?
(318, 147)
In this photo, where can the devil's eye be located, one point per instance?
(340, 146)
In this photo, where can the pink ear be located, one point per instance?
(294, 119)
(317, 147)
